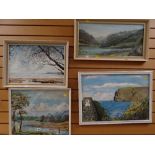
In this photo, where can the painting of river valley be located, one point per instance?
(36, 64)
(115, 40)
(107, 98)
(39, 111)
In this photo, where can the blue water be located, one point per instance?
(115, 109)
(97, 50)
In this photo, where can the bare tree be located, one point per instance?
(49, 55)
(41, 55)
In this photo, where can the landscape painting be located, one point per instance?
(42, 64)
(115, 98)
(115, 40)
(39, 111)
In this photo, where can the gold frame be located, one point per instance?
(33, 42)
(123, 21)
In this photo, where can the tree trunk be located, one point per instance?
(21, 122)
(14, 121)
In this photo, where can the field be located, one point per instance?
(52, 81)
(43, 128)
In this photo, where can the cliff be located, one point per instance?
(123, 39)
(131, 94)
(88, 110)
(92, 111)
(139, 96)
(86, 38)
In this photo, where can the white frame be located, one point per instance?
(10, 89)
(110, 21)
(150, 73)
(33, 42)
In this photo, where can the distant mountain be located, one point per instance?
(86, 38)
(100, 39)
(123, 39)
(57, 117)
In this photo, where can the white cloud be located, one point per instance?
(91, 77)
(112, 85)
(48, 95)
(44, 108)
(103, 96)
(100, 96)
(138, 76)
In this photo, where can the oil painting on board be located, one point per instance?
(110, 40)
(39, 111)
(36, 63)
(113, 98)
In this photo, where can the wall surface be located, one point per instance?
(64, 30)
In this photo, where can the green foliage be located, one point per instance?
(86, 38)
(19, 101)
(28, 118)
(139, 110)
(101, 112)
(121, 38)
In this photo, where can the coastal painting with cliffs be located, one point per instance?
(110, 40)
(115, 97)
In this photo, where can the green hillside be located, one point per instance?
(139, 96)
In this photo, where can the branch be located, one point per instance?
(58, 51)
(50, 58)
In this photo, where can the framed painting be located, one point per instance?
(111, 40)
(115, 97)
(40, 111)
(36, 63)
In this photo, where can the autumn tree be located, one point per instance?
(18, 103)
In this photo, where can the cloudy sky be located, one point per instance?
(103, 30)
(43, 102)
(20, 65)
(103, 87)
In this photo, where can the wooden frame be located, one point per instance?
(84, 95)
(44, 64)
(52, 128)
(102, 55)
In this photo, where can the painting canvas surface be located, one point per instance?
(40, 112)
(115, 98)
(36, 64)
(97, 40)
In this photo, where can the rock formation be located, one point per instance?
(88, 110)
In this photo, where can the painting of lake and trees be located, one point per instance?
(40, 112)
(110, 40)
(115, 98)
(37, 64)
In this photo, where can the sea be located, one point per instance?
(115, 109)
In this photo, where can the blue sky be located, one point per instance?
(103, 30)
(103, 87)
(46, 101)
(21, 65)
